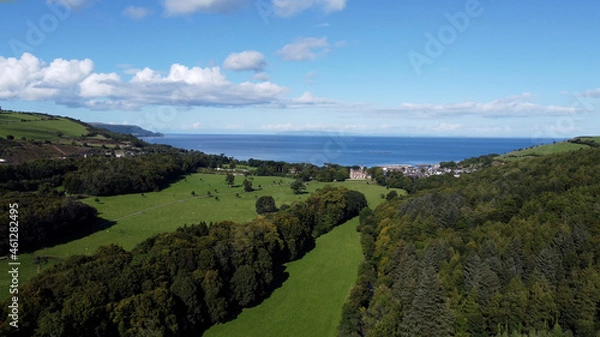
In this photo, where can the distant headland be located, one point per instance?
(128, 130)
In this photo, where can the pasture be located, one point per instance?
(310, 301)
(137, 217)
(541, 150)
(38, 127)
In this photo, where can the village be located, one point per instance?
(412, 171)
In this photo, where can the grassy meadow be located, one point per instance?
(541, 150)
(38, 127)
(137, 217)
(310, 301)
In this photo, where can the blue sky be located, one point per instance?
(408, 68)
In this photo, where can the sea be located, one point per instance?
(346, 150)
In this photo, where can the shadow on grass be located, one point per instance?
(100, 224)
(279, 277)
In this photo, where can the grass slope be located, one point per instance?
(309, 303)
(138, 217)
(541, 150)
(38, 126)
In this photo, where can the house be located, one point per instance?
(359, 174)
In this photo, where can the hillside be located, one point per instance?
(25, 136)
(127, 130)
(508, 250)
(546, 149)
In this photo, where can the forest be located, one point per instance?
(178, 283)
(512, 250)
(50, 219)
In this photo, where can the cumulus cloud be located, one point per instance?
(136, 13)
(304, 49)
(29, 78)
(511, 106)
(246, 60)
(73, 83)
(286, 8)
(182, 7)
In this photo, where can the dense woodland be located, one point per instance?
(49, 219)
(506, 251)
(99, 175)
(179, 283)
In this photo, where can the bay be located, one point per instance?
(344, 149)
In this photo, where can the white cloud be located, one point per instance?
(29, 78)
(511, 106)
(100, 85)
(182, 7)
(316, 127)
(193, 126)
(261, 77)
(246, 60)
(286, 8)
(447, 127)
(304, 49)
(136, 13)
(281, 8)
(73, 83)
(309, 77)
(72, 4)
(595, 93)
(308, 99)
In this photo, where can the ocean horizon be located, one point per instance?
(346, 150)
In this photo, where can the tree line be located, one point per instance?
(178, 283)
(511, 250)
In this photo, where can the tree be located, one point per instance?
(391, 195)
(265, 204)
(429, 313)
(248, 186)
(230, 179)
(38, 261)
(342, 174)
(298, 186)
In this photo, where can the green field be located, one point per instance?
(541, 150)
(310, 301)
(139, 217)
(38, 127)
